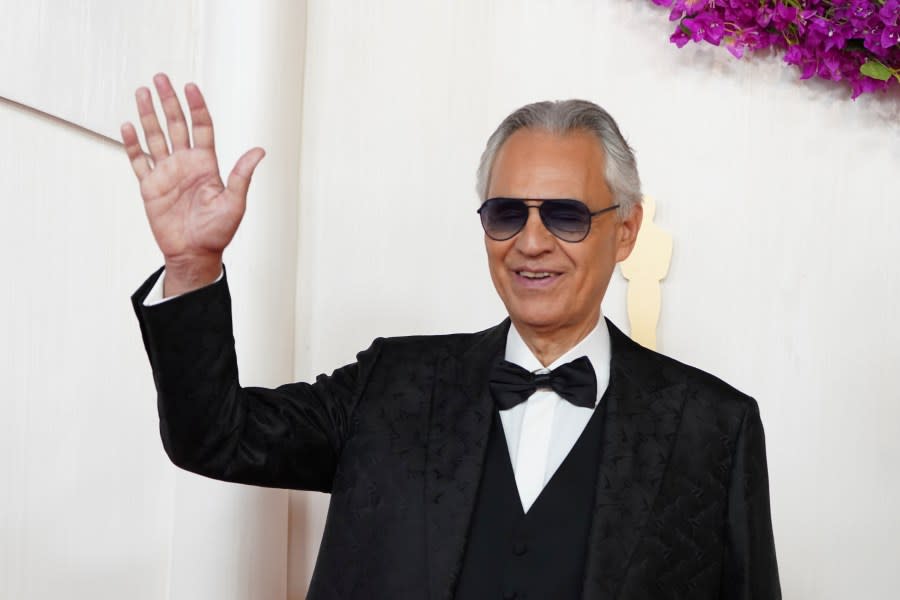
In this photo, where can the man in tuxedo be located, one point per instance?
(547, 457)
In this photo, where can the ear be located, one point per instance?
(627, 231)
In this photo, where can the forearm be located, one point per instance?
(190, 345)
(290, 436)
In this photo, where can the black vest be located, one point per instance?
(539, 554)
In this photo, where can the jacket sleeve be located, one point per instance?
(288, 437)
(750, 568)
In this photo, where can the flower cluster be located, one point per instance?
(857, 41)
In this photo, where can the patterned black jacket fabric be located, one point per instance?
(681, 506)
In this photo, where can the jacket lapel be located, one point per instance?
(643, 412)
(459, 425)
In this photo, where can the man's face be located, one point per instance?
(535, 165)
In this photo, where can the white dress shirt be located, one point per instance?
(541, 431)
(155, 295)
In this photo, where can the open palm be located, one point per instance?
(192, 214)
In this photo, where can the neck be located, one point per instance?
(549, 344)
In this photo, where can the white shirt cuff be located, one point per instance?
(155, 295)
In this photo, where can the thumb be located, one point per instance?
(239, 178)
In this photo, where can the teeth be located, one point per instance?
(534, 274)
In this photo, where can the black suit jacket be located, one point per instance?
(398, 438)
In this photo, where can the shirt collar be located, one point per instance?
(595, 346)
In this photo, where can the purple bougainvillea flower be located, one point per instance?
(680, 37)
(830, 39)
(705, 27)
(753, 40)
(784, 16)
(890, 13)
(867, 85)
(872, 41)
(742, 14)
(734, 45)
(803, 58)
(802, 20)
(828, 34)
(691, 7)
(861, 11)
(830, 66)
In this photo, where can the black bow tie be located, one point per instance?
(574, 381)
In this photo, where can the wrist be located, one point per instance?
(185, 275)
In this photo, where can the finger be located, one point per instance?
(175, 123)
(156, 141)
(140, 164)
(239, 178)
(201, 122)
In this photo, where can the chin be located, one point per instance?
(537, 318)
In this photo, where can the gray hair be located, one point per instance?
(561, 117)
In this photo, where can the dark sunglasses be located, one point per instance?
(569, 220)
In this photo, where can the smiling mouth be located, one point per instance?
(535, 274)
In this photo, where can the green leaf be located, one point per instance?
(874, 69)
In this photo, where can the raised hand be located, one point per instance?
(192, 214)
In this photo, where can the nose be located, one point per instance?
(535, 238)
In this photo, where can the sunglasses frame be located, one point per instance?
(543, 202)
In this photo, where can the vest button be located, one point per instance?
(520, 548)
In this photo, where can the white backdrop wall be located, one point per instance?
(80, 60)
(780, 196)
(86, 499)
(90, 507)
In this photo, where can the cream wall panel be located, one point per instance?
(93, 509)
(81, 61)
(231, 541)
(86, 500)
(778, 194)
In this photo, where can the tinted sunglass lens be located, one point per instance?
(568, 220)
(502, 219)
